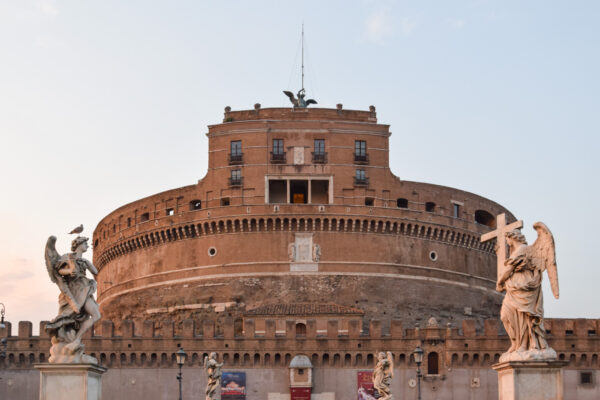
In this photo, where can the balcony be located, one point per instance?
(361, 158)
(319, 158)
(235, 159)
(278, 158)
(361, 181)
(236, 182)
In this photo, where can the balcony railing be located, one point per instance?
(236, 182)
(278, 158)
(361, 181)
(236, 158)
(361, 158)
(319, 158)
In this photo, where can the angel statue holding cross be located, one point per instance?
(520, 276)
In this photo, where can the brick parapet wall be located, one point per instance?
(575, 340)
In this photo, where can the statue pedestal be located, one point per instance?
(530, 380)
(70, 381)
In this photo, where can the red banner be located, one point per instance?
(299, 393)
(365, 385)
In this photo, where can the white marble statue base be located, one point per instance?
(530, 380)
(70, 381)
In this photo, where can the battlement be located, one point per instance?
(154, 344)
(555, 327)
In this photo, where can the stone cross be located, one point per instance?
(499, 233)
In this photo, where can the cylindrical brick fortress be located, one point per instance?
(299, 206)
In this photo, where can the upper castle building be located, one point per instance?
(299, 205)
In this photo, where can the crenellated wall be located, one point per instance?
(141, 358)
(151, 344)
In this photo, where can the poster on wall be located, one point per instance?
(233, 386)
(300, 393)
(365, 385)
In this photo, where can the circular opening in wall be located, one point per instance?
(212, 251)
(433, 256)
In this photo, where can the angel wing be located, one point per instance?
(52, 257)
(391, 361)
(291, 96)
(545, 254)
(206, 363)
(311, 101)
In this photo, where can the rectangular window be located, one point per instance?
(277, 191)
(456, 209)
(319, 156)
(360, 148)
(170, 211)
(236, 147)
(236, 177)
(278, 155)
(319, 147)
(360, 178)
(277, 147)
(585, 378)
(235, 155)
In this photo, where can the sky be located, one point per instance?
(106, 102)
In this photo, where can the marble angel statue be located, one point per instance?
(522, 311)
(77, 309)
(213, 375)
(382, 376)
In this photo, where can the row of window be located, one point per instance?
(481, 216)
(319, 156)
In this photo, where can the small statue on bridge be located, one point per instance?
(213, 375)
(382, 376)
(77, 309)
(520, 275)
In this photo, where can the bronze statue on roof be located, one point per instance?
(299, 102)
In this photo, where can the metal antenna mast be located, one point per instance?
(302, 55)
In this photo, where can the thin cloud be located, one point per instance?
(48, 7)
(378, 27)
(407, 25)
(456, 23)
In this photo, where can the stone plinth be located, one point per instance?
(530, 380)
(70, 381)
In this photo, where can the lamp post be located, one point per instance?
(180, 356)
(3, 341)
(2, 311)
(418, 353)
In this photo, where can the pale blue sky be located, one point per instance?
(104, 102)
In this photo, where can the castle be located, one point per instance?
(300, 241)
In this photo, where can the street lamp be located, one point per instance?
(3, 341)
(180, 357)
(2, 311)
(418, 353)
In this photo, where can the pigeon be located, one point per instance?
(77, 230)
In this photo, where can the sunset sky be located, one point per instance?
(105, 102)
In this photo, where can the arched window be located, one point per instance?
(432, 363)
(402, 203)
(485, 218)
(300, 329)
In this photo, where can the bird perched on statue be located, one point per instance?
(299, 102)
(77, 230)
